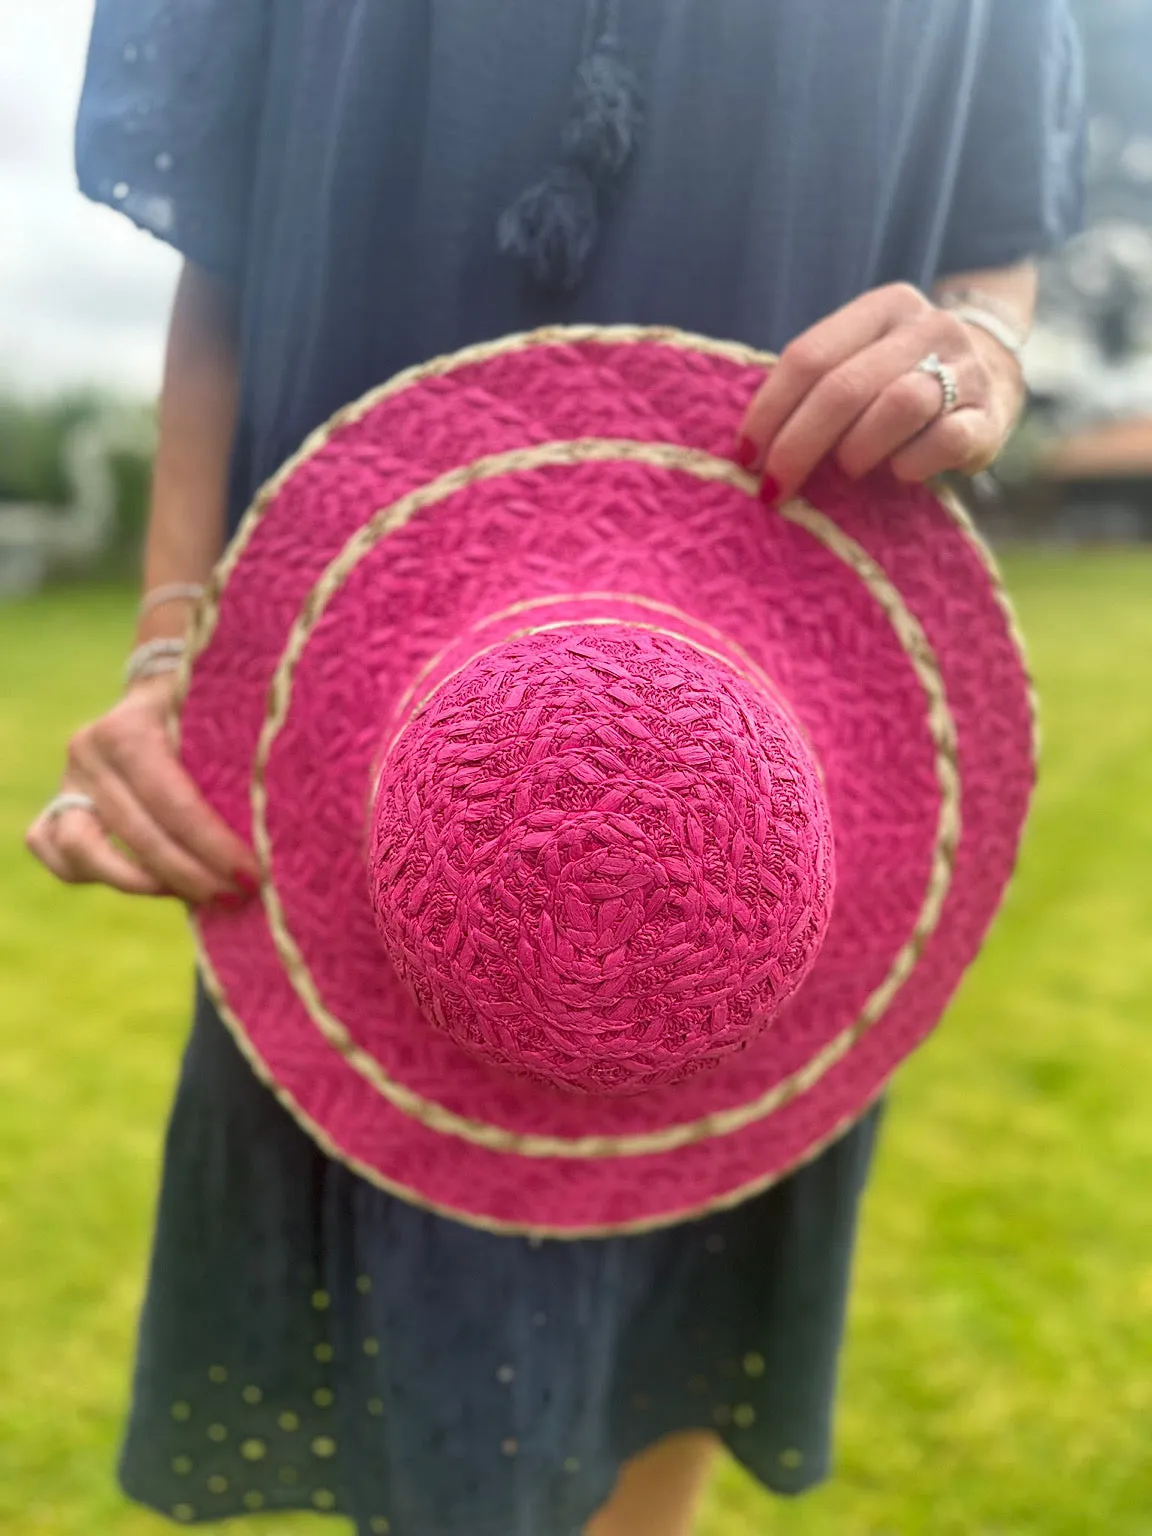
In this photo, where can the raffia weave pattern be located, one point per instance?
(545, 483)
(601, 858)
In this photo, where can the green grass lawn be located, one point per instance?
(999, 1375)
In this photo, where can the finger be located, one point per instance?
(177, 870)
(819, 350)
(846, 396)
(84, 856)
(154, 776)
(909, 406)
(959, 441)
(41, 845)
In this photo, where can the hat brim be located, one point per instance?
(555, 475)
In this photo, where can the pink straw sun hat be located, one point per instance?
(619, 835)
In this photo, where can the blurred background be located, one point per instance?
(999, 1376)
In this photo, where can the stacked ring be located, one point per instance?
(67, 802)
(946, 377)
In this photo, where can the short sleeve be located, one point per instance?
(1020, 188)
(169, 117)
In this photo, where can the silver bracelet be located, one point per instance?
(161, 667)
(976, 307)
(172, 592)
(1009, 339)
(154, 658)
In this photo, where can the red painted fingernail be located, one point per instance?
(245, 882)
(769, 491)
(229, 902)
(746, 452)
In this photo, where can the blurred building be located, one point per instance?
(1082, 468)
(1088, 458)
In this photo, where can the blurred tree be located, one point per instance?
(74, 478)
(31, 438)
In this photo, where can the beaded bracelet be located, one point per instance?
(161, 667)
(153, 659)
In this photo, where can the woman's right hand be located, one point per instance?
(150, 832)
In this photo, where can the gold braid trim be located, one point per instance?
(940, 724)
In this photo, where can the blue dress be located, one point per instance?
(309, 1341)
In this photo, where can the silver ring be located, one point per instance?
(945, 377)
(67, 802)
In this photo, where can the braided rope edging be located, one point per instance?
(410, 1196)
(204, 622)
(204, 626)
(940, 724)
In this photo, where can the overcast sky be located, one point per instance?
(83, 295)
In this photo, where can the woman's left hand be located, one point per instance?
(848, 389)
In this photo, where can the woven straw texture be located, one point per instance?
(680, 818)
(600, 859)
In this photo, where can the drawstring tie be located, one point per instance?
(553, 228)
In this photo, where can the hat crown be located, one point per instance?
(602, 857)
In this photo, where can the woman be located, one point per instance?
(346, 184)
